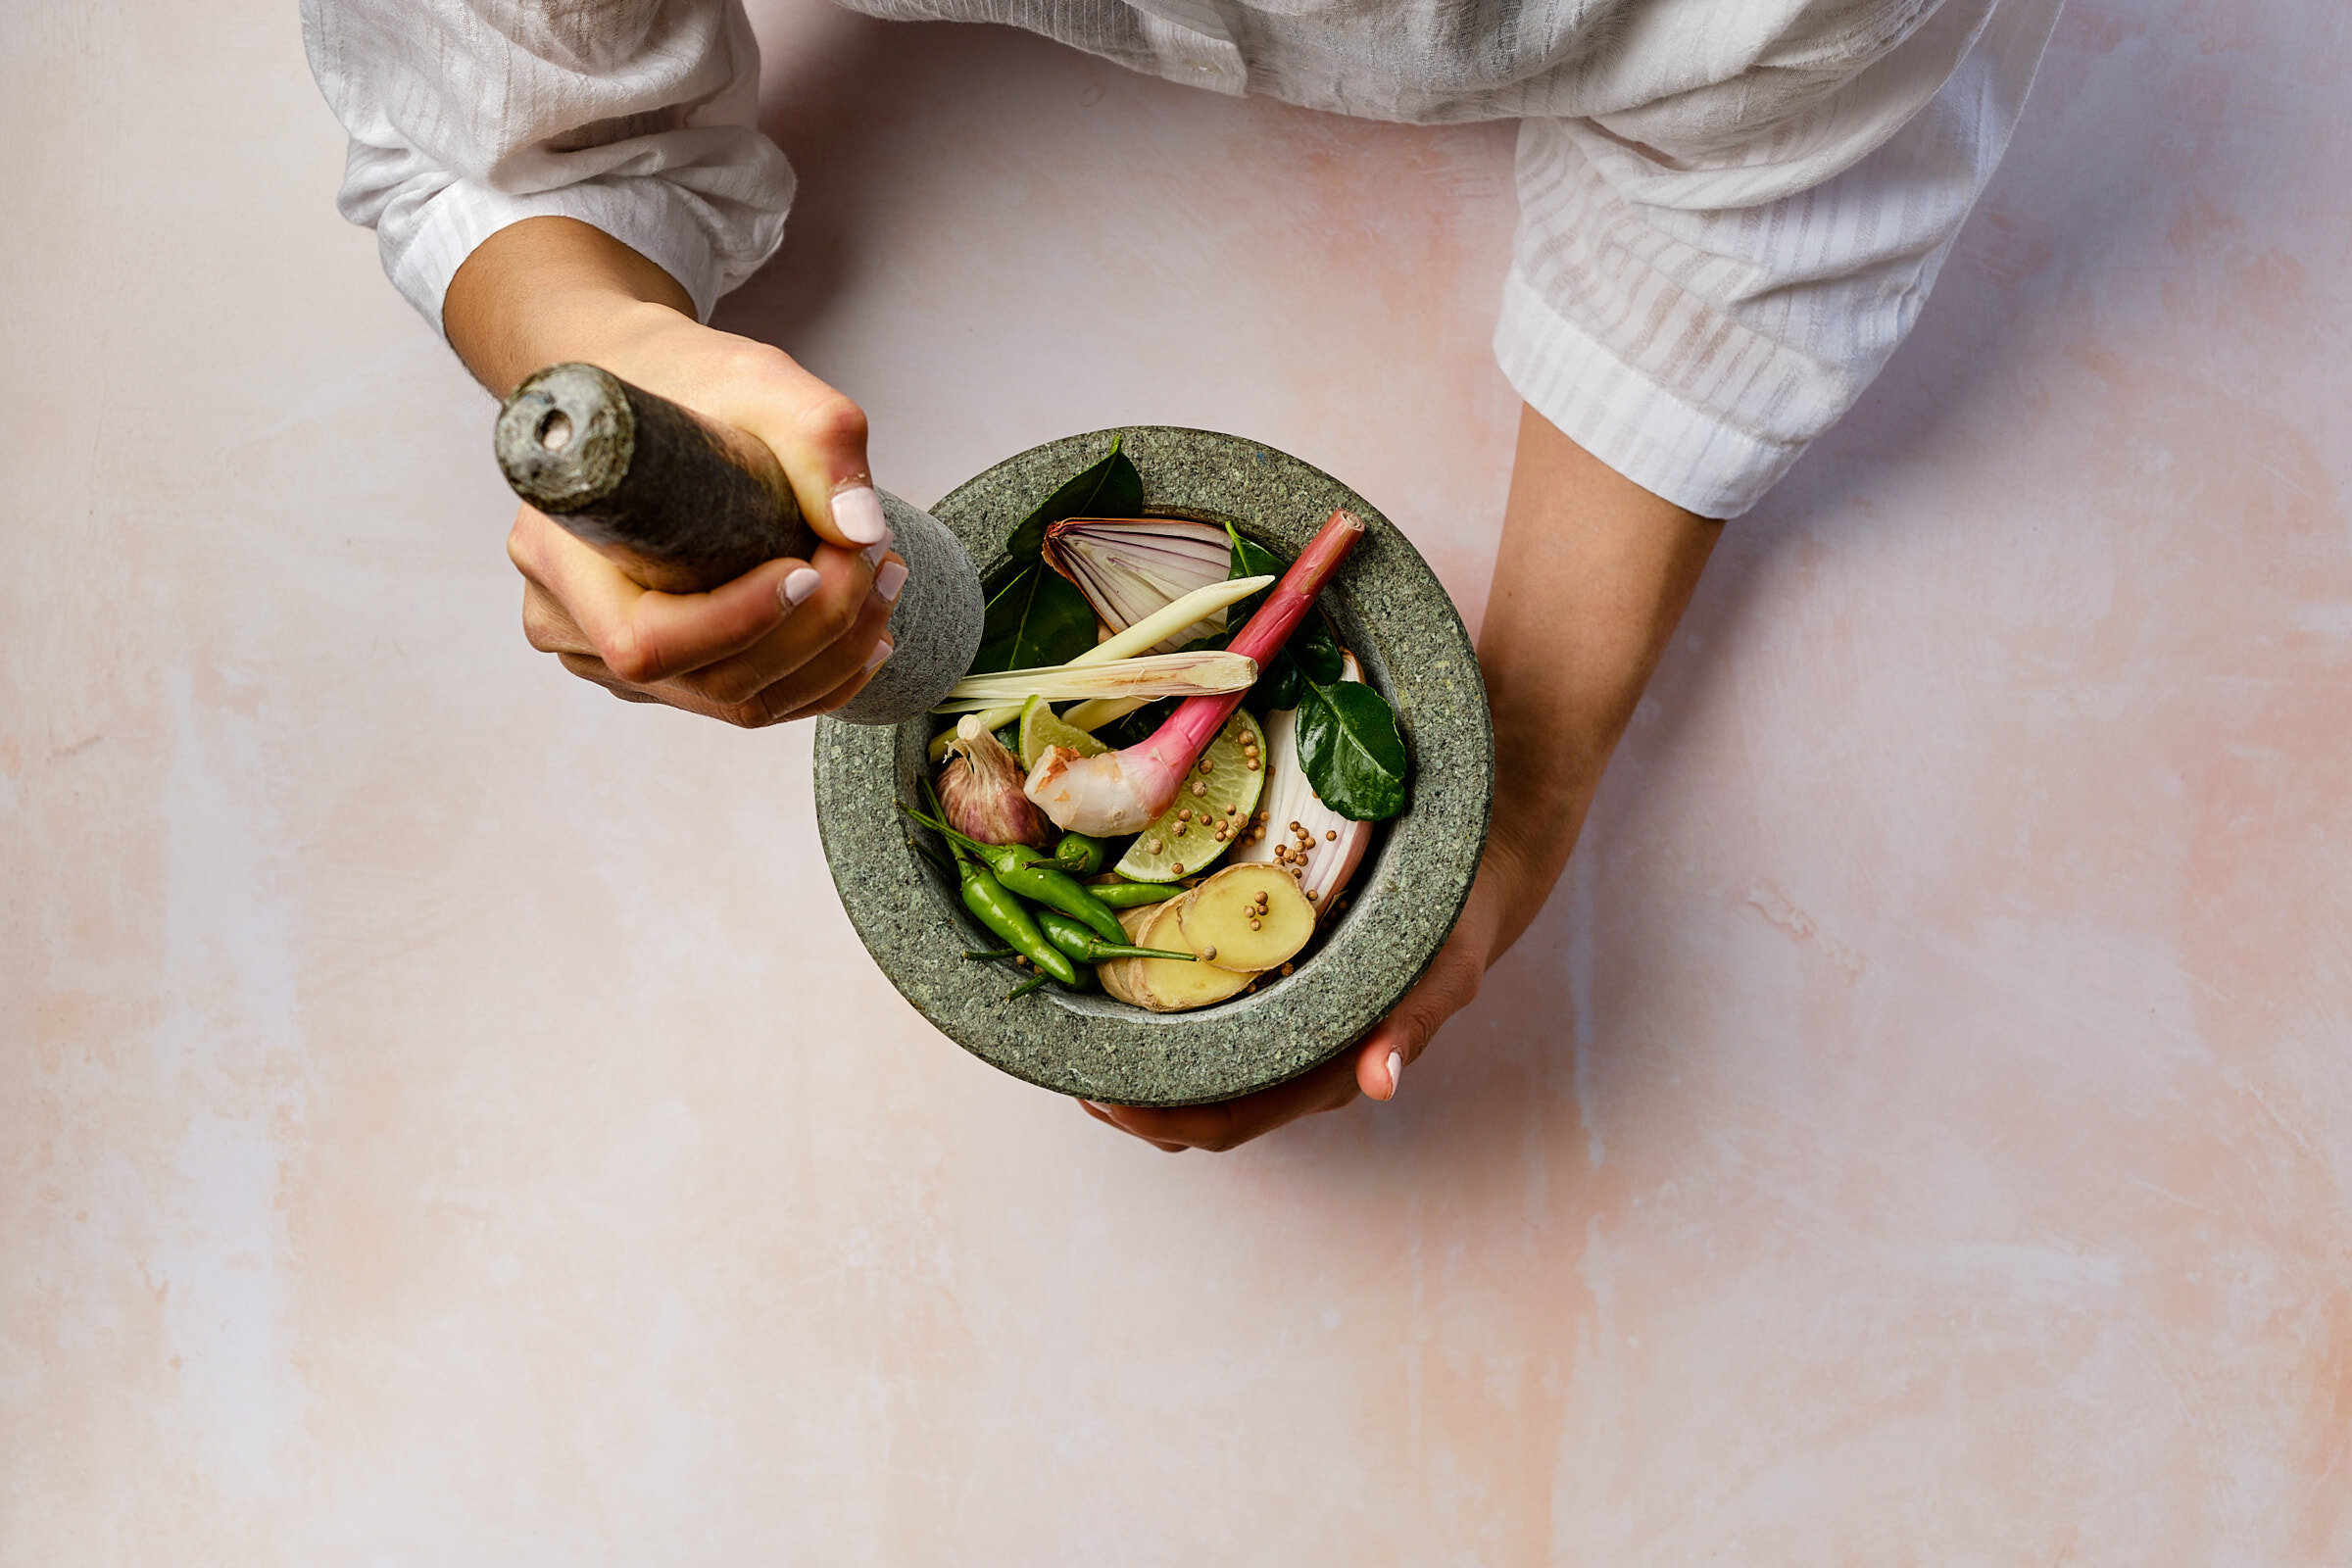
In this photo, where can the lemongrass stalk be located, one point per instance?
(1200, 672)
(1101, 711)
(1196, 606)
(1121, 792)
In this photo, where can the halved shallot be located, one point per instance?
(1128, 568)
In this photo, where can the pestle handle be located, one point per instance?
(683, 503)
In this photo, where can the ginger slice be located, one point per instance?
(1246, 918)
(1163, 985)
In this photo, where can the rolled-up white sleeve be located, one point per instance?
(638, 117)
(1694, 315)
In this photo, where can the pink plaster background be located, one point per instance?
(446, 1119)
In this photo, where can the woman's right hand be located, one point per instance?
(743, 651)
(788, 639)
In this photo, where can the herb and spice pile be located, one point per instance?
(1162, 767)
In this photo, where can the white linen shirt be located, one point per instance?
(1730, 211)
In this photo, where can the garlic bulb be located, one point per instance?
(980, 789)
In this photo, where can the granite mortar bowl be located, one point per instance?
(1390, 611)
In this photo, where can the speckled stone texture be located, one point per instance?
(936, 628)
(1390, 610)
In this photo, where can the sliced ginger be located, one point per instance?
(1165, 985)
(1246, 918)
(1241, 922)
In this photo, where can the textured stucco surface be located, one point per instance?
(447, 1118)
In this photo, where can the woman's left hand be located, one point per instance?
(1371, 1066)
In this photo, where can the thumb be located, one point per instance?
(1397, 1040)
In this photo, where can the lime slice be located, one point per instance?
(1221, 790)
(1041, 729)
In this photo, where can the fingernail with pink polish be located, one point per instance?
(882, 651)
(1395, 1072)
(873, 554)
(797, 584)
(889, 579)
(858, 514)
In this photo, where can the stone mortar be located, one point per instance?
(1391, 611)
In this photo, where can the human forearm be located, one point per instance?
(548, 289)
(1593, 574)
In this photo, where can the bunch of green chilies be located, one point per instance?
(1074, 925)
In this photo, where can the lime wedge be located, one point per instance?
(1041, 729)
(1221, 790)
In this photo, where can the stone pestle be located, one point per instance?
(683, 505)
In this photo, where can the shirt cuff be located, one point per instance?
(652, 217)
(1671, 447)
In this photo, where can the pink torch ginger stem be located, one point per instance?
(1196, 720)
(1121, 792)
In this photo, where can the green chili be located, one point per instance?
(1122, 895)
(1079, 853)
(1087, 948)
(1058, 890)
(1024, 988)
(999, 910)
(1027, 873)
(996, 856)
